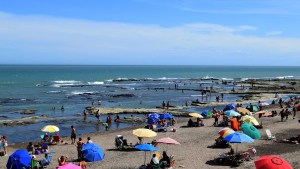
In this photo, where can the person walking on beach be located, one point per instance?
(282, 114)
(73, 134)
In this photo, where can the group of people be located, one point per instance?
(164, 162)
(198, 123)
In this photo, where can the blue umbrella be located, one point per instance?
(165, 116)
(92, 152)
(20, 159)
(146, 147)
(238, 137)
(204, 113)
(231, 113)
(152, 118)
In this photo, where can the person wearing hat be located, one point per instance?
(33, 162)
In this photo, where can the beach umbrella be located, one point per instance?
(69, 166)
(92, 152)
(272, 162)
(231, 113)
(152, 118)
(238, 137)
(229, 107)
(20, 159)
(167, 140)
(197, 115)
(225, 132)
(50, 129)
(144, 133)
(263, 104)
(250, 130)
(146, 147)
(165, 116)
(250, 119)
(204, 113)
(243, 110)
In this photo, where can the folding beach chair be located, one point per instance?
(269, 135)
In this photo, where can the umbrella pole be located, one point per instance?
(145, 159)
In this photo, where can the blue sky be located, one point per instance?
(150, 32)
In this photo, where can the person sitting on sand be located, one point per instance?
(154, 160)
(190, 123)
(30, 147)
(62, 160)
(89, 140)
(165, 161)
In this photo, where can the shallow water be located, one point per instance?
(75, 87)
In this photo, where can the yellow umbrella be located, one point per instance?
(195, 115)
(243, 111)
(50, 129)
(144, 133)
(250, 120)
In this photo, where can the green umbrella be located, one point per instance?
(250, 130)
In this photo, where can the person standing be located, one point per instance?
(294, 112)
(73, 134)
(80, 144)
(5, 145)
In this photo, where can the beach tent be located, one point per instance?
(205, 113)
(254, 108)
(166, 116)
(234, 124)
(20, 159)
(92, 152)
(250, 130)
(152, 118)
(230, 107)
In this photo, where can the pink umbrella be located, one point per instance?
(69, 166)
(167, 140)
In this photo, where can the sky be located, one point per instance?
(150, 32)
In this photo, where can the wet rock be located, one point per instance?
(123, 95)
(28, 111)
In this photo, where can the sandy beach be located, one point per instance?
(193, 152)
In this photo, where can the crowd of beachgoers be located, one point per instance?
(236, 135)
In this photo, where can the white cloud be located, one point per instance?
(124, 43)
(273, 33)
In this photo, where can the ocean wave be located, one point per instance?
(74, 83)
(55, 91)
(66, 81)
(96, 83)
(84, 92)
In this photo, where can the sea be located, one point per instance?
(42, 87)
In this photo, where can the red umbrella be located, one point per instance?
(272, 162)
